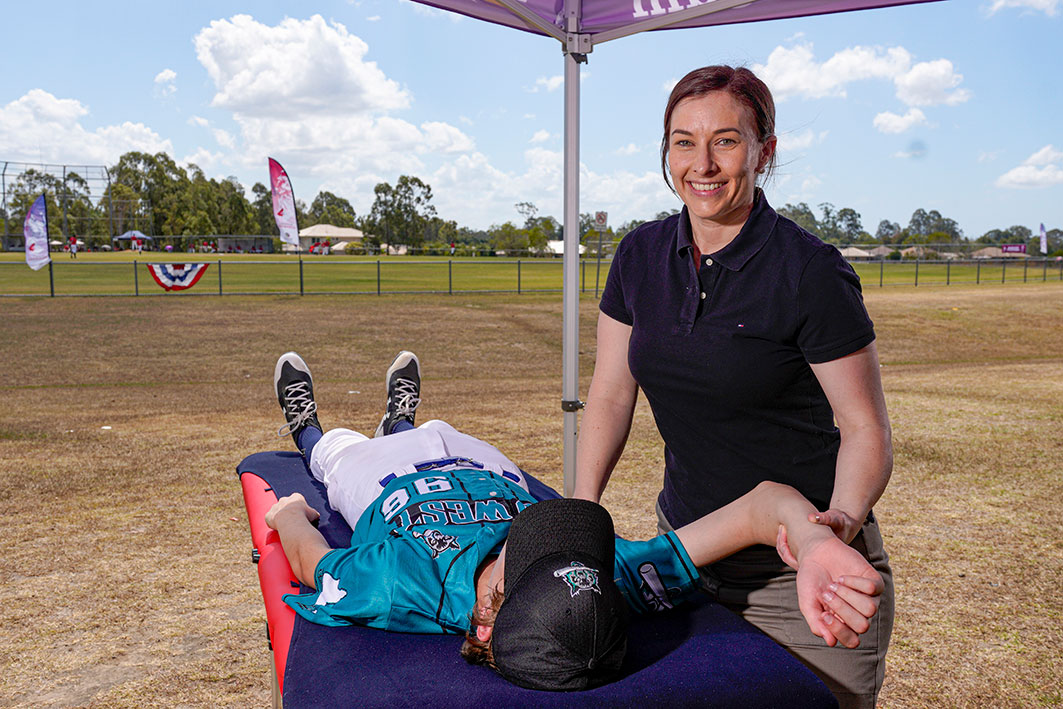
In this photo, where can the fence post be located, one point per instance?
(1044, 272)
(51, 279)
(1025, 268)
(518, 276)
(219, 276)
(917, 272)
(378, 276)
(300, 274)
(1003, 269)
(136, 281)
(450, 277)
(948, 270)
(583, 277)
(881, 270)
(978, 273)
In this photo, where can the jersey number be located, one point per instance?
(401, 497)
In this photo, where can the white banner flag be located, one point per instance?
(283, 203)
(1044, 239)
(35, 229)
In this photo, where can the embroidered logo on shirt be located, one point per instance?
(579, 578)
(330, 590)
(437, 541)
(653, 590)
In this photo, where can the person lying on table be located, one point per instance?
(431, 509)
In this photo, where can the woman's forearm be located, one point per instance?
(865, 463)
(602, 436)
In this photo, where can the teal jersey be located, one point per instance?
(411, 565)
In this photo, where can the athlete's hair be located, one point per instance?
(474, 650)
(744, 87)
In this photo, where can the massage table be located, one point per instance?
(697, 655)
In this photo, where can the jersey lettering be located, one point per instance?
(394, 502)
(427, 486)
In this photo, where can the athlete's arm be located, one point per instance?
(303, 544)
(606, 419)
(837, 589)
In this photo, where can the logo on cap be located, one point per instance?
(579, 578)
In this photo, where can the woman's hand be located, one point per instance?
(844, 526)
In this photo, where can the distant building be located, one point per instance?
(881, 252)
(556, 247)
(337, 236)
(851, 253)
(995, 252)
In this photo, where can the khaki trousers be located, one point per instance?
(756, 585)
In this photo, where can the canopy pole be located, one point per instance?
(570, 402)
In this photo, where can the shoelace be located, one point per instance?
(298, 405)
(405, 397)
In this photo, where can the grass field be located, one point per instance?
(124, 548)
(125, 273)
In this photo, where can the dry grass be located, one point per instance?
(124, 552)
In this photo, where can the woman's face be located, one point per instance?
(714, 156)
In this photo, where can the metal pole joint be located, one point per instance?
(569, 406)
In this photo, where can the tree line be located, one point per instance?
(155, 195)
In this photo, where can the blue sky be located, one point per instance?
(954, 106)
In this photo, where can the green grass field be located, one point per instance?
(125, 273)
(124, 547)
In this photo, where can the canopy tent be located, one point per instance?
(579, 25)
(133, 234)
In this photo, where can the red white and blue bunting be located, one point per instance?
(177, 276)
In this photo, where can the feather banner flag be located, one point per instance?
(35, 229)
(177, 276)
(283, 203)
(1044, 239)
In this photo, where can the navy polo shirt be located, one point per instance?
(722, 354)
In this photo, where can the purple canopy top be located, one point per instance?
(603, 20)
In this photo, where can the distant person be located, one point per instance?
(452, 247)
(749, 338)
(73, 247)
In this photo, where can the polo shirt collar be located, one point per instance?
(750, 240)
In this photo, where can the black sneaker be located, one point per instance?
(403, 382)
(295, 393)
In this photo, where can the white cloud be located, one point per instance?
(548, 83)
(294, 69)
(887, 122)
(1045, 156)
(629, 149)
(304, 92)
(373, 18)
(198, 121)
(1049, 7)
(541, 136)
(988, 155)
(669, 85)
(794, 71)
(792, 142)
(930, 84)
(1042, 169)
(164, 82)
(40, 127)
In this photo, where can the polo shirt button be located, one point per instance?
(703, 295)
(708, 262)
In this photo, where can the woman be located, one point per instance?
(749, 338)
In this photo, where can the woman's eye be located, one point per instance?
(726, 142)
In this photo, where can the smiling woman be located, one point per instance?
(749, 338)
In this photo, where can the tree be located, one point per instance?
(801, 215)
(508, 237)
(327, 208)
(829, 229)
(887, 231)
(401, 213)
(262, 210)
(849, 226)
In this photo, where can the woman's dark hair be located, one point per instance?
(742, 84)
(474, 650)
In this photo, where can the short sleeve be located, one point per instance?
(343, 597)
(612, 302)
(654, 575)
(833, 321)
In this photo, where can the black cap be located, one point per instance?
(563, 623)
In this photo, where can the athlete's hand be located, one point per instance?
(837, 591)
(292, 503)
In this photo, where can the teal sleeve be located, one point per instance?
(656, 574)
(343, 596)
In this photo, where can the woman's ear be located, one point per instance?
(483, 633)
